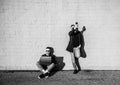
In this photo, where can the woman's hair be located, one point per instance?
(72, 25)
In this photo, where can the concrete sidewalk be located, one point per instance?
(61, 78)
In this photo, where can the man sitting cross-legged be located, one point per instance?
(46, 63)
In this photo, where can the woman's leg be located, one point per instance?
(77, 63)
(75, 51)
(73, 61)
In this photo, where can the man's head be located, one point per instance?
(49, 51)
(76, 23)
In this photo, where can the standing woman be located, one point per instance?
(76, 38)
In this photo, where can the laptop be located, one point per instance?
(45, 60)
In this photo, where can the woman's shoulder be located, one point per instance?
(71, 32)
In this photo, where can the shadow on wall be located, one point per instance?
(60, 65)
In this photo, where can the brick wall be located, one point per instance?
(28, 26)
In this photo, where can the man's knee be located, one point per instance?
(38, 64)
(51, 66)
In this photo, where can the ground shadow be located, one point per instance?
(59, 66)
(88, 70)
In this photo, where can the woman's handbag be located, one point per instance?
(82, 52)
(79, 52)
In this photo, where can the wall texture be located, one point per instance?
(28, 26)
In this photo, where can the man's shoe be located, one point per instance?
(41, 76)
(47, 75)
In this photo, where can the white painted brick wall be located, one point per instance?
(28, 26)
